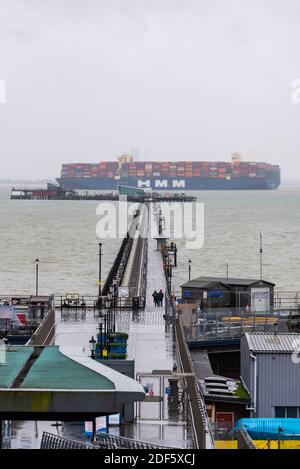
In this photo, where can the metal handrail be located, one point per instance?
(107, 441)
(244, 439)
(50, 441)
(199, 417)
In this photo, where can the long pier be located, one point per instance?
(57, 193)
(156, 343)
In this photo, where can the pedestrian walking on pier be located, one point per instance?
(155, 298)
(160, 297)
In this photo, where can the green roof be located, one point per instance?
(53, 370)
(16, 358)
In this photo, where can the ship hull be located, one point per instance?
(169, 184)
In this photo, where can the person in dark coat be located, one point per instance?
(160, 297)
(155, 298)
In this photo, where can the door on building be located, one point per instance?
(224, 424)
(260, 299)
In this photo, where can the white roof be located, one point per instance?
(279, 343)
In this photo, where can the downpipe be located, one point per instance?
(253, 408)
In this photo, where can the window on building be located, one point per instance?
(287, 412)
(292, 412)
(280, 412)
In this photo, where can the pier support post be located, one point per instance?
(1, 433)
(94, 430)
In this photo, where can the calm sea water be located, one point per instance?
(63, 235)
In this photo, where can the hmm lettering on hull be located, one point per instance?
(162, 183)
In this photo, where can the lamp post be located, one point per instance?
(100, 274)
(261, 255)
(109, 312)
(190, 269)
(107, 304)
(169, 273)
(37, 262)
(92, 347)
(101, 322)
(114, 305)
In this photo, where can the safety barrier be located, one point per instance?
(50, 441)
(198, 415)
(106, 441)
(45, 332)
(244, 439)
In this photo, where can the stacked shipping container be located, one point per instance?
(180, 169)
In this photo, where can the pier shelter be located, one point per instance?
(61, 383)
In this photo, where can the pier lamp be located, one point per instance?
(101, 324)
(92, 347)
(109, 310)
(190, 269)
(106, 317)
(37, 262)
(115, 296)
(100, 274)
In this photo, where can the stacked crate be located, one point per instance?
(252, 170)
(132, 170)
(156, 169)
(148, 170)
(213, 170)
(180, 169)
(197, 169)
(173, 170)
(111, 168)
(189, 169)
(164, 169)
(222, 170)
(140, 169)
(102, 171)
(244, 169)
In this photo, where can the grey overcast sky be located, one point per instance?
(179, 79)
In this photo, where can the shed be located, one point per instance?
(270, 369)
(220, 292)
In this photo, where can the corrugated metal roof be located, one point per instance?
(279, 343)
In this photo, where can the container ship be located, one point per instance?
(181, 175)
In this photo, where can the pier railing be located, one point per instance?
(118, 268)
(244, 439)
(45, 332)
(227, 325)
(198, 415)
(31, 316)
(50, 441)
(102, 441)
(90, 303)
(106, 441)
(119, 265)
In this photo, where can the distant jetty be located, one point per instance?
(53, 192)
